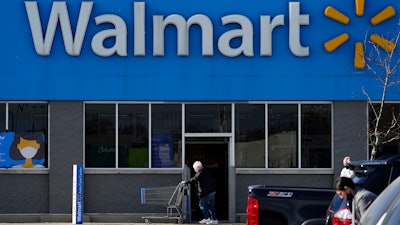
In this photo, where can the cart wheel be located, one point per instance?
(181, 220)
(147, 221)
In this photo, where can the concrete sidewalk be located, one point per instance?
(100, 219)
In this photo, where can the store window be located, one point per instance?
(133, 135)
(208, 118)
(132, 145)
(315, 134)
(316, 139)
(25, 129)
(27, 117)
(166, 135)
(266, 135)
(282, 135)
(250, 135)
(298, 135)
(100, 136)
(389, 127)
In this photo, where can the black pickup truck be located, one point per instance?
(268, 205)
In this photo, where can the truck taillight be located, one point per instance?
(342, 217)
(252, 211)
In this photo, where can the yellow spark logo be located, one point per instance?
(334, 43)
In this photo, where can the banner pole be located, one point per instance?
(77, 194)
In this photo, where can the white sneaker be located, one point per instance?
(213, 222)
(205, 221)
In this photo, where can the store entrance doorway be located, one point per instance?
(213, 153)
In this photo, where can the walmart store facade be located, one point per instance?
(262, 92)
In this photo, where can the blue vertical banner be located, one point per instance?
(77, 194)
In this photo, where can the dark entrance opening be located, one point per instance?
(213, 153)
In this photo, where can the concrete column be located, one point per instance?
(186, 206)
(66, 149)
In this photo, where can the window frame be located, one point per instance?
(299, 169)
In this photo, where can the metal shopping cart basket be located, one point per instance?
(170, 196)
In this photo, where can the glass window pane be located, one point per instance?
(99, 135)
(166, 135)
(316, 139)
(2, 117)
(133, 135)
(250, 136)
(208, 118)
(391, 143)
(282, 136)
(30, 117)
(27, 117)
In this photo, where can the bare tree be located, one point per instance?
(382, 63)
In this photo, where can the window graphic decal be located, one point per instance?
(22, 150)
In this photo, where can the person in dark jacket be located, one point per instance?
(206, 189)
(359, 198)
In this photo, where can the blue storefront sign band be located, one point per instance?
(192, 50)
(77, 194)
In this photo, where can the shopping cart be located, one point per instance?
(171, 197)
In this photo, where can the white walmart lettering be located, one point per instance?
(73, 44)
